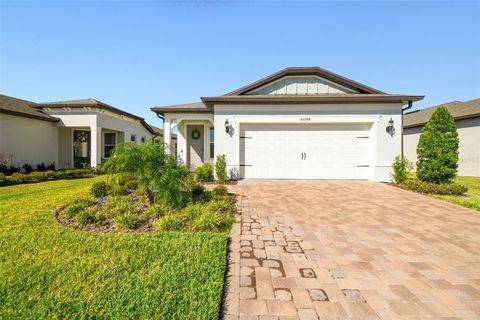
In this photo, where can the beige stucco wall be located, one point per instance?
(28, 140)
(469, 149)
(102, 121)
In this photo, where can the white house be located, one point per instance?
(299, 123)
(69, 133)
(467, 118)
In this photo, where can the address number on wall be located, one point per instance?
(305, 119)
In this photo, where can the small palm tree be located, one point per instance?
(157, 172)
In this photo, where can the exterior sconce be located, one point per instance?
(227, 126)
(390, 127)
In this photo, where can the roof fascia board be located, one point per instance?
(31, 116)
(210, 101)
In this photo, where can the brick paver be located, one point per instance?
(351, 250)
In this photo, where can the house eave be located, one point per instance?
(161, 111)
(31, 116)
(331, 99)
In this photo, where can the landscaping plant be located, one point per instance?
(401, 168)
(159, 175)
(221, 168)
(437, 149)
(434, 188)
(99, 189)
(204, 173)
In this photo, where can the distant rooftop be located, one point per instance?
(458, 110)
(93, 103)
(24, 108)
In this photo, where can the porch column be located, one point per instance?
(95, 146)
(167, 134)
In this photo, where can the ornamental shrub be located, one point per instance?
(220, 191)
(171, 222)
(437, 149)
(199, 194)
(221, 168)
(212, 221)
(86, 216)
(401, 168)
(3, 179)
(434, 188)
(99, 189)
(128, 221)
(27, 168)
(204, 172)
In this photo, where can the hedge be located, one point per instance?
(434, 188)
(33, 177)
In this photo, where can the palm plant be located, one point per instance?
(157, 172)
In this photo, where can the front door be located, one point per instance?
(195, 145)
(81, 149)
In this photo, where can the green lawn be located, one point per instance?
(49, 271)
(472, 197)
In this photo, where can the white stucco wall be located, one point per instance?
(179, 121)
(384, 147)
(469, 148)
(28, 140)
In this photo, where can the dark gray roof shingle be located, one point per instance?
(458, 110)
(23, 108)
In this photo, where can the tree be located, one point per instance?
(437, 149)
(158, 173)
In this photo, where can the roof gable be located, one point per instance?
(301, 85)
(321, 75)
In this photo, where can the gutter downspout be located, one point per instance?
(163, 119)
(410, 104)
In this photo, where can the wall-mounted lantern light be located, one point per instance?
(390, 127)
(227, 126)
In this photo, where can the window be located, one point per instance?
(212, 142)
(109, 142)
(133, 138)
(143, 139)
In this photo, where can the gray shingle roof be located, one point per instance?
(458, 110)
(23, 108)
(185, 107)
(94, 104)
(159, 132)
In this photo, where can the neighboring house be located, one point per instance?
(467, 118)
(71, 134)
(299, 123)
(27, 135)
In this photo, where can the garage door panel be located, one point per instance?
(304, 151)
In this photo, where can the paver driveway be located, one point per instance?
(341, 250)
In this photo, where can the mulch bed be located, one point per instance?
(108, 225)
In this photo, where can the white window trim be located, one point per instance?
(210, 142)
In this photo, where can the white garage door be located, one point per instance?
(305, 151)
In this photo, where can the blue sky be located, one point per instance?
(135, 55)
